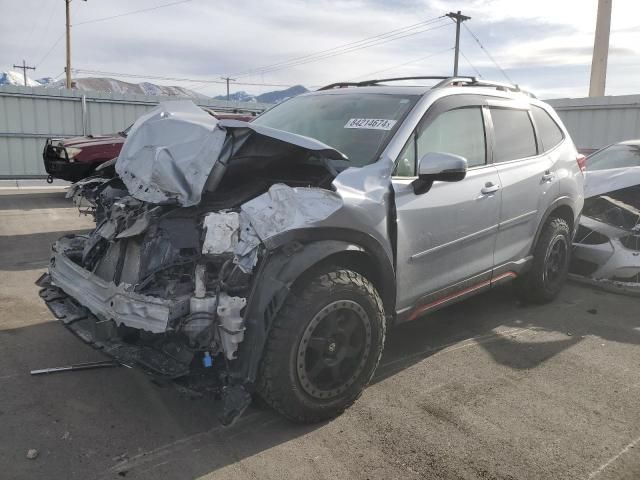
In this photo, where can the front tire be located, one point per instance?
(323, 347)
(550, 267)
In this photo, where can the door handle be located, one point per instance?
(489, 188)
(548, 176)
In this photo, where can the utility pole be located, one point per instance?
(600, 50)
(24, 67)
(458, 18)
(228, 79)
(68, 34)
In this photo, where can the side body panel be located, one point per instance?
(444, 235)
(529, 186)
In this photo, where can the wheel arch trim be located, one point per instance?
(287, 258)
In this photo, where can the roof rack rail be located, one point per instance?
(369, 83)
(466, 81)
(483, 83)
(331, 86)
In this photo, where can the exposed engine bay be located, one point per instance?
(165, 284)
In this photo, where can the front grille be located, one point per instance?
(54, 152)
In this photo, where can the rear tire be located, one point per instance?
(551, 259)
(323, 347)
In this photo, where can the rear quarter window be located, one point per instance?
(548, 130)
(513, 134)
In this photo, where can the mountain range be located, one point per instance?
(111, 85)
(268, 97)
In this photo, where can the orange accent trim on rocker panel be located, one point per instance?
(423, 308)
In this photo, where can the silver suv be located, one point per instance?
(277, 253)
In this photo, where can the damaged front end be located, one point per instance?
(606, 249)
(168, 276)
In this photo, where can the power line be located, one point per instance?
(338, 47)
(55, 43)
(48, 24)
(102, 19)
(347, 47)
(488, 54)
(353, 49)
(350, 50)
(415, 60)
(470, 64)
(50, 49)
(175, 79)
(35, 21)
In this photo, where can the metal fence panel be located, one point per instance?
(28, 115)
(595, 122)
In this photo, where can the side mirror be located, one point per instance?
(444, 167)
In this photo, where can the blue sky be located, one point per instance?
(544, 45)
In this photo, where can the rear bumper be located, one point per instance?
(109, 301)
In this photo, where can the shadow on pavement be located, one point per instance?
(123, 423)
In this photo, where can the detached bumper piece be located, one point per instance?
(170, 362)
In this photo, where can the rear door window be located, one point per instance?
(548, 130)
(513, 134)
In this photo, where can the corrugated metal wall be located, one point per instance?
(595, 122)
(29, 115)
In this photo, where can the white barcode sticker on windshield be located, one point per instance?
(371, 123)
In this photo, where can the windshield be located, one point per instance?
(615, 156)
(356, 124)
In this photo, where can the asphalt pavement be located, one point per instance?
(485, 389)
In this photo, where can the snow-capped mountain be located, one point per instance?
(276, 96)
(240, 96)
(100, 84)
(46, 80)
(96, 84)
(105, 84)
(16, 78)
(281, 95)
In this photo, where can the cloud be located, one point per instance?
(203, 40)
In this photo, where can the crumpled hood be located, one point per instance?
(598, 182)
(171, 151)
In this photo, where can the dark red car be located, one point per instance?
(75, 158)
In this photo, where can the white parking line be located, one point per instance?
(602, 467)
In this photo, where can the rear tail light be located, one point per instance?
(582, 162)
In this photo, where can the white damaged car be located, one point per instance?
(606, 249)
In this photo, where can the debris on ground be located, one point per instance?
(32, 454)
